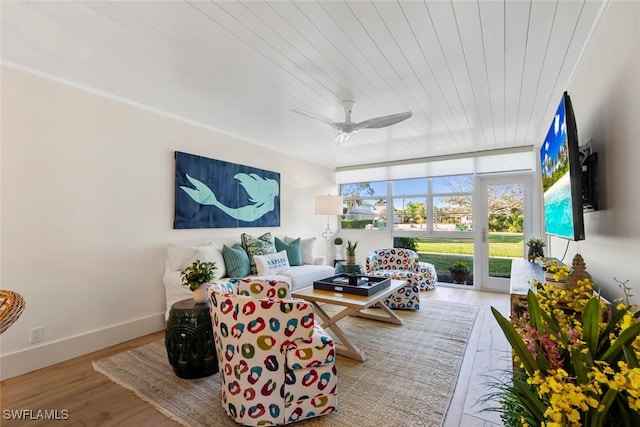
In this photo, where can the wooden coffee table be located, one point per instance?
(353, 306)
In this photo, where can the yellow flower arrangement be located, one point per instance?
(573, 366)
(550, 265)
(559, 272)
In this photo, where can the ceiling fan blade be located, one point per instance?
(348, 127)
(335, 125)
(384, 121)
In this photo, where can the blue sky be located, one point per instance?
(556, 135)
(418, 186)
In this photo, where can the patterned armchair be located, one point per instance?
(276, 364)
(402, 264)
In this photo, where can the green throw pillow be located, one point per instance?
(263, 245)
(293, 249)
(236, 261)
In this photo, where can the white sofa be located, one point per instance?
(181, 254)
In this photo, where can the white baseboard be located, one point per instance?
(47, 354)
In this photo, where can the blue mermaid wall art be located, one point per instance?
(215, 194)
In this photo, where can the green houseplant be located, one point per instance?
(337, 245)
(197, 274)
(351, 251)
(535, 248)
(459, 272)
(573, 366)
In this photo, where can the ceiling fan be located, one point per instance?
(348, 127)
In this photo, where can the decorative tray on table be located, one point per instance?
(353, 284)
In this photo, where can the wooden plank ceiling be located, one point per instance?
(477, 75)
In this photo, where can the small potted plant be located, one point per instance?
(535, 248)
(459, 272)
(337, 245)
(197, 274)
(351, 251)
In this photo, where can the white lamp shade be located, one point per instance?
(328, 205)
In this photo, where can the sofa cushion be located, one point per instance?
(271, 263)
(262, 245)
(209, 253)
(181, 255)
(306, 247)
(293, 248)
(304, 275)
(236, 261)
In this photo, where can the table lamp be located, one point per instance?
(328, 205)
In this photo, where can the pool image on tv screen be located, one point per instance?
(556, 182)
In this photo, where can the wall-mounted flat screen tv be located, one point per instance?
(562, 175)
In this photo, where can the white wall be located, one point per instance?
(87, 212)
(605, 94)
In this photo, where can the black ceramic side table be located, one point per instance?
(189, 340)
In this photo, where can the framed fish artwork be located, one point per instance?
(211, 193)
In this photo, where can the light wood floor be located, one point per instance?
(488, 354)
(91, 399)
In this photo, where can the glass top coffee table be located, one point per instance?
(353, 306)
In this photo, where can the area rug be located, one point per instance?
(408, 378)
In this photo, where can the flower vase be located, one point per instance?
(338, 249)
(200, 294)
(351, 259)
(535, 252)
(460, 278)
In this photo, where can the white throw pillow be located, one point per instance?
(271, 263)
(209, 253)
(179, 255)
(306, 246)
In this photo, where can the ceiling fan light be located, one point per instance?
(342, 137)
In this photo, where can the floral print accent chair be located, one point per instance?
(276, 365)
(402, 264)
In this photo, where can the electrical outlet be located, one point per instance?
(35, 335)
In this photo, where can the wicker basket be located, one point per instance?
(11, 306)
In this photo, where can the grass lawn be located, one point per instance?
(444, 252)
(500, 267)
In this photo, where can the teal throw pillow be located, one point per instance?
(236, 261)
(293, 249)
(263, 245)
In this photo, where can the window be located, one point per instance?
(410, 204)
(365, 205)
(452, 213)
(425, 205)
(432, 216)
(410, 213)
